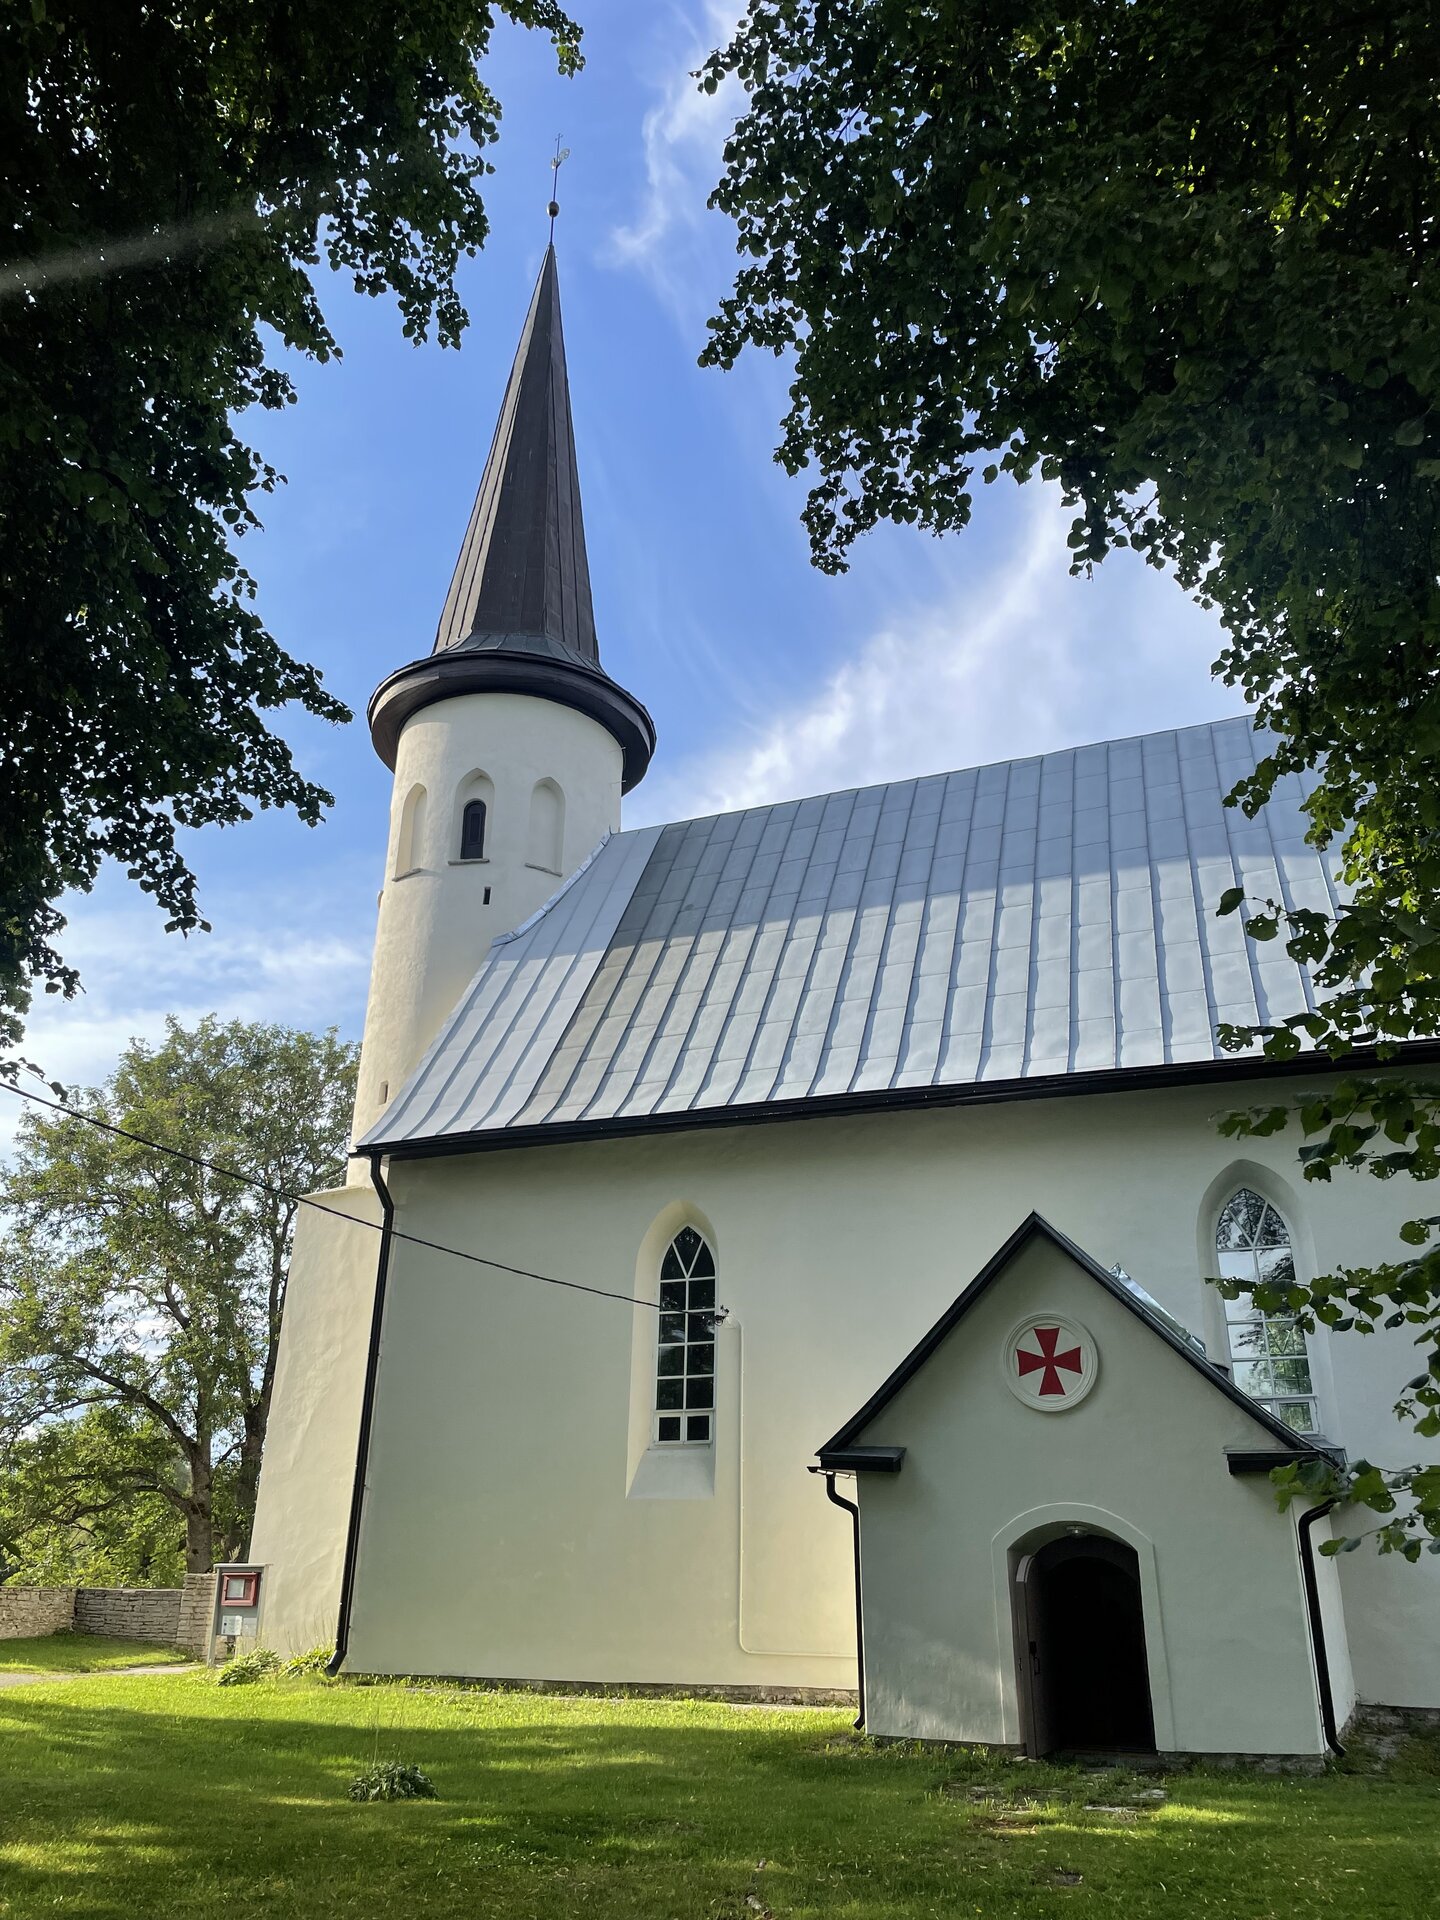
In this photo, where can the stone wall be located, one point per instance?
(170, 1616)
(130, 1613)
(197, 1614)
(28, 1612)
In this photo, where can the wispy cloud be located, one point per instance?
(683, 135)
(1013, 658)
(301, 961)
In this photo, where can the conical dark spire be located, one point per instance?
(518, 616)
(522, 581)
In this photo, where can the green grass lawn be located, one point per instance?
(171, 1796)
(82, 1653)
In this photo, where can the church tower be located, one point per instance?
(509, 743)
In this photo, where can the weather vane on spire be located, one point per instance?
(562, 154)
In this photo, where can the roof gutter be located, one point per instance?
(1054, 1086)
(1317, 1626)
(367, 1408)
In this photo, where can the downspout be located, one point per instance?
(1317, 1625)
(853, 1510)
(367, 1407)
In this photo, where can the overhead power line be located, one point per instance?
(317, 1206)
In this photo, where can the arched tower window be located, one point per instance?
(474, 817)
(410, 841)
(685, 1364)
(472, 830)
(1267, 1350)
(547, 826)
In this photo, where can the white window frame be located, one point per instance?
(684, 1394)
(1253, 1242)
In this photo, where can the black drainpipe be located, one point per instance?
(367, 1405)
(854, 1513)
(1317, 1625)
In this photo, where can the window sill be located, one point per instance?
(482, 861)
(674, 1472)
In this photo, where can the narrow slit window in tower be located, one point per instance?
(472, 831)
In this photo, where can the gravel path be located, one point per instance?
(105, 1673)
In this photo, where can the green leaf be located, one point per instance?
(347, 145)
(1170, 264)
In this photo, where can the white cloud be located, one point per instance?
(683, 136)
(1019, 659)
(975, 648)
(271, 957)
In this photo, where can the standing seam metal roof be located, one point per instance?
(522, 581)
(1037, 917)
(518, 618)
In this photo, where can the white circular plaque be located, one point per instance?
(1049, 1362)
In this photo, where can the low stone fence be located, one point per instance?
(27, 1613)
(129, 1613)
(197, 1614)
(167, 1616)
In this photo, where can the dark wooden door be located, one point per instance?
(1031, 1656)
(1080, 1646)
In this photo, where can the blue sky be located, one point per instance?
(766, 679)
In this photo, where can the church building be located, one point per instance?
(776, 1247)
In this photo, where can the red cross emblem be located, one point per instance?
(1047, 1362)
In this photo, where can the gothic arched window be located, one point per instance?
(547, 826)
(685, 1363)
(1267, 1350)
(410, 842)
(472, 831)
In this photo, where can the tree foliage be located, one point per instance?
(78, 1506)
(1182, 260)
(141, 1293)
(1349, 1125)
(174, 176)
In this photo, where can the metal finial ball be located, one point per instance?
(553, 208)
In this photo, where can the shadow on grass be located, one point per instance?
(193, 1798)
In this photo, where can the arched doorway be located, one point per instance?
(1080, 1632)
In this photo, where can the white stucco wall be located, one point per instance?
(517, 1524)
(303, 1505)
(1140, 1458)
(434, 923)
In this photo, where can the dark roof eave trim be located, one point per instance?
(442, 676)
(898, 1099)
(1243, 1460)
(861, 1459)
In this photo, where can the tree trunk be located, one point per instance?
(199, 1518)
(252, 1446)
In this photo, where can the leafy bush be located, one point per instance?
(393, 1780)
(246, 1668)
(313, 1660)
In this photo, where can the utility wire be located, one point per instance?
(318, 1206)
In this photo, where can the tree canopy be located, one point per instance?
(174, 176)
(1180, 259)
(142, 1292)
